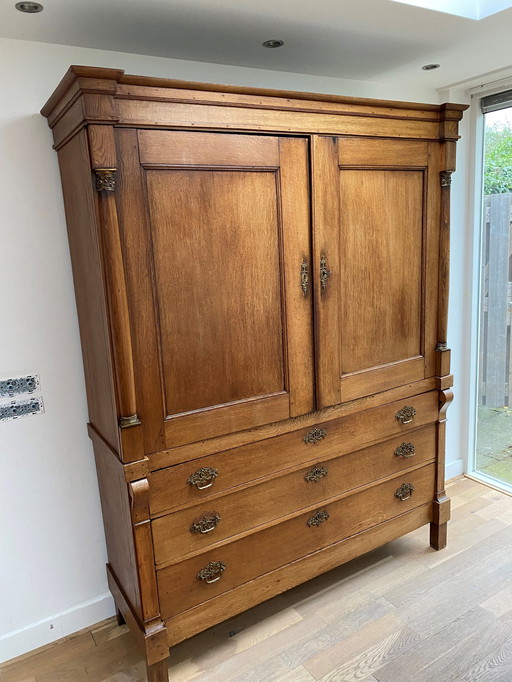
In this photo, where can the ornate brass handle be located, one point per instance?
(212, 572)
(206, 523)
(406, 414)
(203, 478)
(304, 277)
(315, 474)
(324, 273)
(315, 436)
(404, 492)
(405, 450)
(318, 518)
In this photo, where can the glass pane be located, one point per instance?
(494, 424)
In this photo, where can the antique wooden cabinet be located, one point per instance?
(261, 281)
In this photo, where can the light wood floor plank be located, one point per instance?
(369, 661)
(414, 589)
(450, 653)
(349, 649)
(494, 668)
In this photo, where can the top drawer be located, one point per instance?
(189, 483)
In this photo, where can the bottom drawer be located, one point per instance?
(203, 577)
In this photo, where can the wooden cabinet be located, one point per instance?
(261, 281)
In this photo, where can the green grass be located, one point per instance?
(494, 442)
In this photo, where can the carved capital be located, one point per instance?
(446, 178)
(105, 179)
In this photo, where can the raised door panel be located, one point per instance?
(226, 236)
(374, 248)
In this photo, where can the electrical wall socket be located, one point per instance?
(19, 386)
(20, 408)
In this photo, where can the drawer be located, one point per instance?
(192, 482)
(198, 579)
(195, 528)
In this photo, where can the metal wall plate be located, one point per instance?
(21, 408)
(19, 385)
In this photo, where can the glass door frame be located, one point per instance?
(475, 214)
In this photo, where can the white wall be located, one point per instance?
(460, 300)
(52, 553)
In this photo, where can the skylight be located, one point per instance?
(471, 9)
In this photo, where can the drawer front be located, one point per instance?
(195, 528)
(192, 482)
(195, 580)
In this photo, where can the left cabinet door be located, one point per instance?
(216, 243)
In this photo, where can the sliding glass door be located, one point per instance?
(493, 456)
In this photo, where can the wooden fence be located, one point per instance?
(495, 376)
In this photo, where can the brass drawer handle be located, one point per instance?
(212, 572)
(404, 492)
(405, 450)
(324, 273)
(315, 474)
(206, 523)
(304, 277)
(203, 478)
(315, 436)
(318, 518)
(406, 414)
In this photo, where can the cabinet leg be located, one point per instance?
(119, 616)
(158, 672)
(438, 535)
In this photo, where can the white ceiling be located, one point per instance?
(372, 40)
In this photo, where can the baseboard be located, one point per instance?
(454, 469)
(50, 629)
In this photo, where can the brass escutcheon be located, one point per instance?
(203, 478)
(304, 277)
(206, 523)
(315, 474)
(406, 414)
(405, 450)
(404, 492)
(315, 436)
(318, 518)
(211, 572)
(324, 273)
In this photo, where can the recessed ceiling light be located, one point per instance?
(29, 7)
(273, 43)
(430, 67)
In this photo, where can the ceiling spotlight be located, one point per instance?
(430, 67)
(273, 43)
(29, 7)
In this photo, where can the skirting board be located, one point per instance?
(454, 469)
(59, 625)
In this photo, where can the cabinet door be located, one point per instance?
(216, 231)
(376, 257)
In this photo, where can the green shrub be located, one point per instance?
(498, 159)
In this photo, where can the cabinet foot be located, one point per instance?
(158, 672)
(438, 535)
(119, 617)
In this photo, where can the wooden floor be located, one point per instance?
(403, 613)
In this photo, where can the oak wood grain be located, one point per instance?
(247, 509)
(250, 463)
(80, 202)
(184, 453)
(180, 589)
